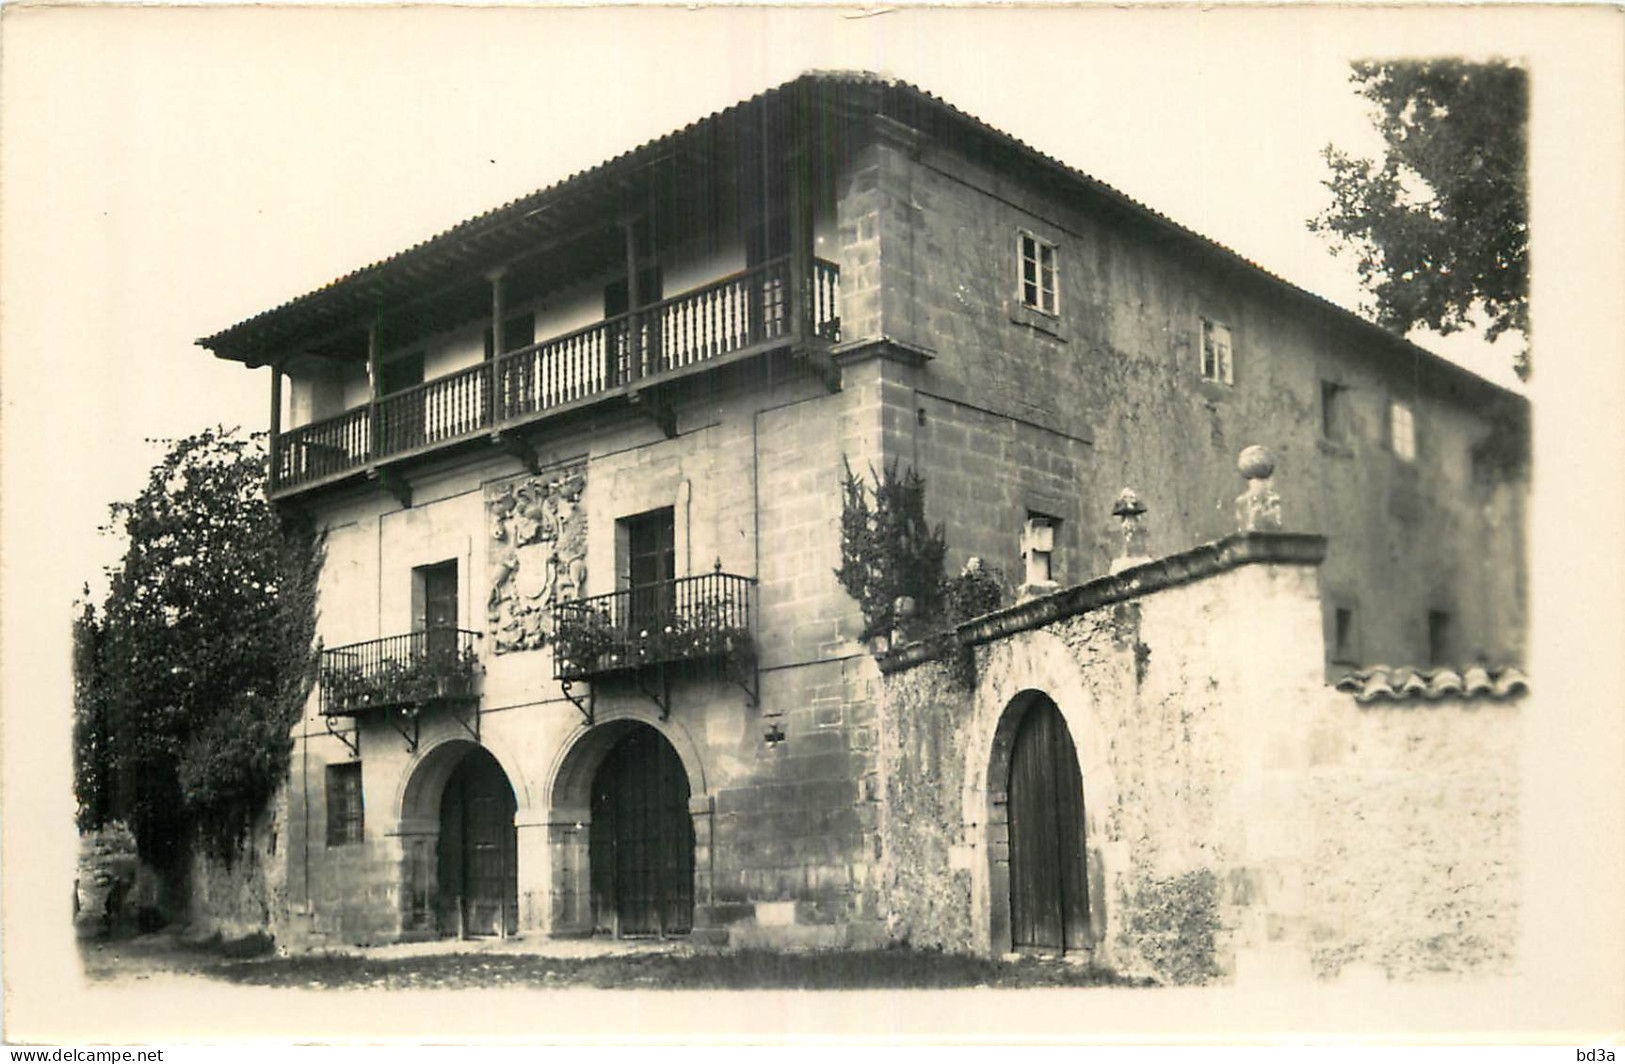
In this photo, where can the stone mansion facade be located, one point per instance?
(586, 667)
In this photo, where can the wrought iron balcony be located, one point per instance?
(730, 318)
(690, 619)
(438, 665)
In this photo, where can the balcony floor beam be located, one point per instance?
(392, 481)
(652, 406)
(518, 447)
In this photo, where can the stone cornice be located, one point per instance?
(1174, 570)
(883, 347)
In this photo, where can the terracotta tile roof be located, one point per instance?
(862, 91)
(1380, 683)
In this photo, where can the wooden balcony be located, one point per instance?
(727, 320)
(690, 619)
(400, 671)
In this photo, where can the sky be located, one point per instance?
(167, 172)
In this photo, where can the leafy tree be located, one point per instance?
(888, 551)
(92, 759)
(201, 658)
(1440, 223)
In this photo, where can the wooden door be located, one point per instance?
(478, 845)
(439, 621)
(1049, 902)
(642, 840)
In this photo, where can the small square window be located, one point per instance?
(344, 811)
(1402, 430)
(1334, 413)
(1038, 274)
(1216, 352)
(1345, 636)
(1440, 649)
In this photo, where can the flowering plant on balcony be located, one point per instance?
(591, 640)
(412, 680)
(584, 641)
(703, 630)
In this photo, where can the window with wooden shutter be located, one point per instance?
(344, 810)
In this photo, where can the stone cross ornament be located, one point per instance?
(1128, 509)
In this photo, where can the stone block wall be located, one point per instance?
(1414, 867)
(1019, 407)
(786, 827)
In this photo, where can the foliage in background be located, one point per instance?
(190, 677)
(888, 550)
(1440, 223)
(978, 589)
(93, 781)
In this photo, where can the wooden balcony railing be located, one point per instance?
(733, 314)
(399, 670)
(688, 619)
(323, 448)
(436, 411)
(826, 298)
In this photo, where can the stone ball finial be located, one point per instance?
(1256, 462)
(1258, 509)
(1128, 504)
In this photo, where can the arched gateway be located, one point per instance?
(641, 847)
(1049, 893)
(461, 868)
(477, 870)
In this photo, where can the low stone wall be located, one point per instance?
(104, 885)
(1156, 751)
(1413, 870)
(1243, 820)
(115, 892)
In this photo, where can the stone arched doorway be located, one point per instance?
(459, 842)
(1043, 876)
(1049, 891)
(477, 870)
(641, 848)
(629, 818)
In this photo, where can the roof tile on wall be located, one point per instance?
(1380, 683)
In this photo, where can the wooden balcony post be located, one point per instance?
(490, 411)
(634, 361)
(375, 383)
(800, 308)
(276, 425)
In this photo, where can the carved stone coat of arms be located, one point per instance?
(538, 553)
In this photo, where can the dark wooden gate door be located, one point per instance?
(440, 611)
(642, 842)
(477, 865)
(1049, 901)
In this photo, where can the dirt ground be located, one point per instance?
(552, 964)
